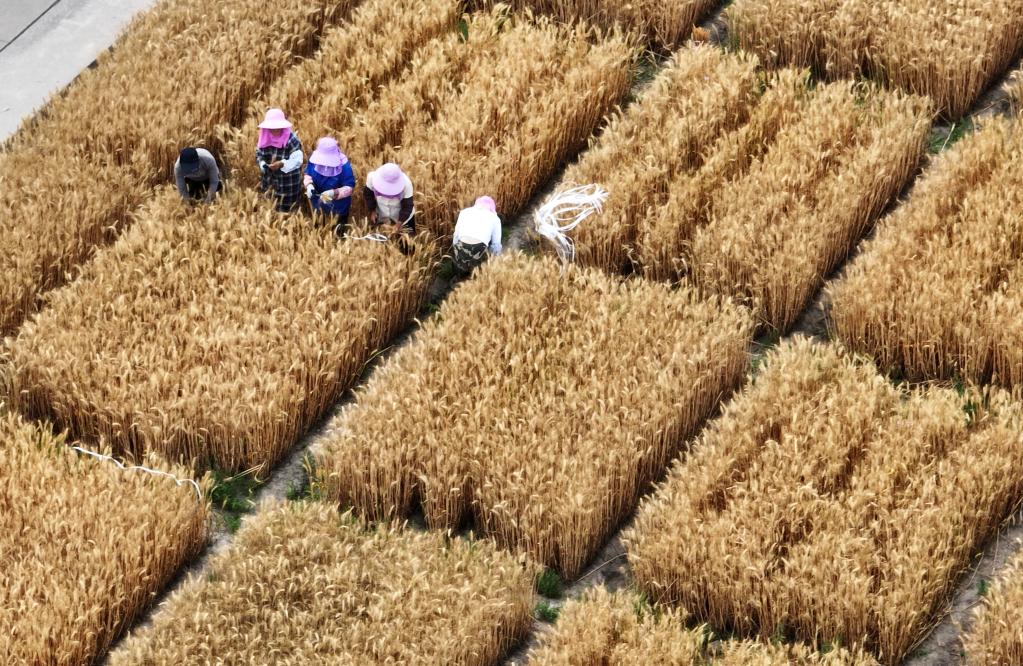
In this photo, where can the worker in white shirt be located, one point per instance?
(477, 231)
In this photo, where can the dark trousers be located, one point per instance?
(467, 256)
(338, 222)
(197, 189)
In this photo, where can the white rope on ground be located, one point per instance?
(564, 212)
(130, 468)
(377, 238)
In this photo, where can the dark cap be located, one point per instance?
(189, 157)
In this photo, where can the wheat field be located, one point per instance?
(948, 50)
(537, 402)
(664, 24)
(494, 112)
(85, 546)
(748, 184)
(250, 334)
(621, 629)
(825, 503)
(212, 337)
(71, 176)
(937, 293)
(302, 584)
(994, 637)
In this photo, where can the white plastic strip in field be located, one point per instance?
(130, 468)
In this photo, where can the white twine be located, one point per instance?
(130, 468)
(564, 212)
(377, 238)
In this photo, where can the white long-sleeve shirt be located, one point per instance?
(479, 225)
(293, 162)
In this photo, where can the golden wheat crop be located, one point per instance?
(827, 503)
(995, 637)
(665, 24)
(949, 50)
(71, 176)
(621, 629)
(491, 113)
(938, 292)
(211, 338)
(540, 403)
(304, 585)
(748, 184)
(85, 546)
(218, 335)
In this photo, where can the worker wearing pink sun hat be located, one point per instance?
(279, 157)
(388, 194)
(477, 231)
(329, 183)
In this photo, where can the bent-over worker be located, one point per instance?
(279, 156)
(329, 183)
(197, 175)
(388, 195)
(477, 230)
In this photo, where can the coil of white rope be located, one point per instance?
(564, 212)
(130, 468)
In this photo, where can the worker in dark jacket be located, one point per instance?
(279, 157)
(388, 195)
(329, 183)
(197, 175)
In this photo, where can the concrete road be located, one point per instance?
(44, 44)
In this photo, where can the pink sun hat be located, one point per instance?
(389, 180)
(486, 203)
(275, 119)
(327, 153)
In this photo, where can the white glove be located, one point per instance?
(309, 191)
(263, 167)
(327, 196)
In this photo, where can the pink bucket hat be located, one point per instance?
(389, 180)
(327, 153)
(486, 203)
(275, 119)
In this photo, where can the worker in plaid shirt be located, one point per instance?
(279, 156)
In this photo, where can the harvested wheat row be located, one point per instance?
(621, 629)
(542, 403)
(828, 504)
(949, 50)
(750, 185)
(938, 292)
(304, 585)
(70, 178)
(491, 113)
(218, 335)
(85, 546)
(995, 637)
(664, 24)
